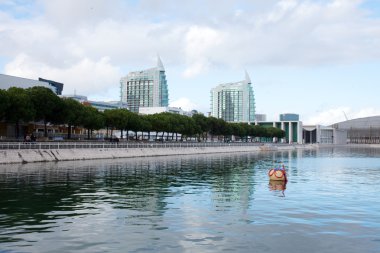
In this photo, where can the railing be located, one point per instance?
(107, 145)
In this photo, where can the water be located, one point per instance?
(210, 203)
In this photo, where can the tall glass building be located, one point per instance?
(234, 102)
(145, 88)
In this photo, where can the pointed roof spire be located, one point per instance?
(160, 66)
(247, 78)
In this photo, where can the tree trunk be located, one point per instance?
(121, 134)
(69, 132)
(88, 134)
(45, 128)
(17, 129)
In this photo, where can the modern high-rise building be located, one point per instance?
(234, 102)
(145, 88)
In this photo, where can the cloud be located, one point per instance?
(85, 77)
(339, 114)
(71, 39)
(199, 42)
(184, 103)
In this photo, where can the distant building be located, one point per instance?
(7, 81)
(260, 117)
(234, 102)
(323, 135)
(58, 86)
(362, 130)
(175, 110)
(292, 129)
(289, 117)
(100, 105)
(145, 88)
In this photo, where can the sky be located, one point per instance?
(317, 58)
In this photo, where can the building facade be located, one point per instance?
(361, 130)
(260, 117)
(323, 135)
(7, 81)
(293, 130)
(175, 110)
(99, 105)
(145, 88)
(234, 102)
(289, 117)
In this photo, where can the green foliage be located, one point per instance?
(73, 112)
(92, 118)
(4, 103)
(45, 103)
(21, 107)
(40, 103)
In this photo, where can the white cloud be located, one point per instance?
(199, 42)
(184, 103)
(339, 114)
(85, 77)
(85, 44)
(285, 32)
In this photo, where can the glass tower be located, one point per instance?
(145, 88)
(234, 102)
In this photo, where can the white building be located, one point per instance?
(145, 88)
(154, 110)
(323, 135)
(7, 81)
(234, 102)
(100, 105)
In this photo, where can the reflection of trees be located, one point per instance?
(32, 195)
(27, 197)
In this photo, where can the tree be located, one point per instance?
(45, 103)
(133, 123)
(20, 108)
(92, 120)
(116, 119)
(4, 103)
(72, 114)
(159, 123)
(217, 126)
(146, 125)
(203, 124)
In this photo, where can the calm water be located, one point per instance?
(210, 203)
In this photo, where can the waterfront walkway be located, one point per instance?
(122, 145)
(21, 152)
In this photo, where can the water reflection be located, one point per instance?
(34, 196)
(208, 203)
(277, 186)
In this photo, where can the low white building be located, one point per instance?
(155, 110)
(7, 81)
(323, 135)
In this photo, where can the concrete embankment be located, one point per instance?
(48, 155)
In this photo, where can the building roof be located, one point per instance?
(160, 66)
(7, 81)
(367, 122)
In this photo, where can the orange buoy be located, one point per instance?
(277, 174)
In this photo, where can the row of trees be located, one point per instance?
(40, 104)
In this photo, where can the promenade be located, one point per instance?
(19, 152)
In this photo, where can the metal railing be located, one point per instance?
(108, 145)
